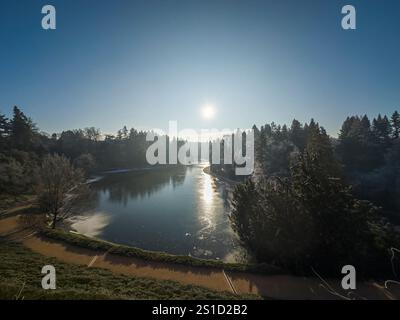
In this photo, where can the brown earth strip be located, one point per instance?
(272, 286)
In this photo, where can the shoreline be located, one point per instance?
(207, 170)
(272, 285)
(67, 228)
(83, 241)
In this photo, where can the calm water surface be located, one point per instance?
(176, 210)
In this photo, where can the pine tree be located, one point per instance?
(4, 125)
(244, 198)
(261, 149)
(365, 129)
(395, 121)
(22, 130)
(4, 130)
(382, 129)
(311, 218)
(297, 135)
(319, 147)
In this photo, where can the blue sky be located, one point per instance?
(143, 63)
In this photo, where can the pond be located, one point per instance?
(179, 210)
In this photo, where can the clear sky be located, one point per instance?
(143, 63)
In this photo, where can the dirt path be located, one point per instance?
(274, 286)
(210, 278)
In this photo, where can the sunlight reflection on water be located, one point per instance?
(207, 205)
(175, 210)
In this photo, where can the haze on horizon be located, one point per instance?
(143, 63)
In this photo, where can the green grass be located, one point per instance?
(90, 243)
(21, 268)
(8, 201)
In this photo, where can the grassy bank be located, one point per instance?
(8, 202)
(90, 243)
(20, 277)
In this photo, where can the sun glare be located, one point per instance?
(208, 111)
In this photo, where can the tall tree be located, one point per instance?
(382, 129)
(92, 133)
(395, 121)
(4, 130)
(311, 219)
(22, 130)
(360, 148)
(297, 135)
(60, 187)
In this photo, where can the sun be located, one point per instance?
(208, 111)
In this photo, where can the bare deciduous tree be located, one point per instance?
(61, 187)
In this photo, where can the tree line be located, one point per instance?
(314, 202)
(23, 148)
(54, 167)
(317, 203)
